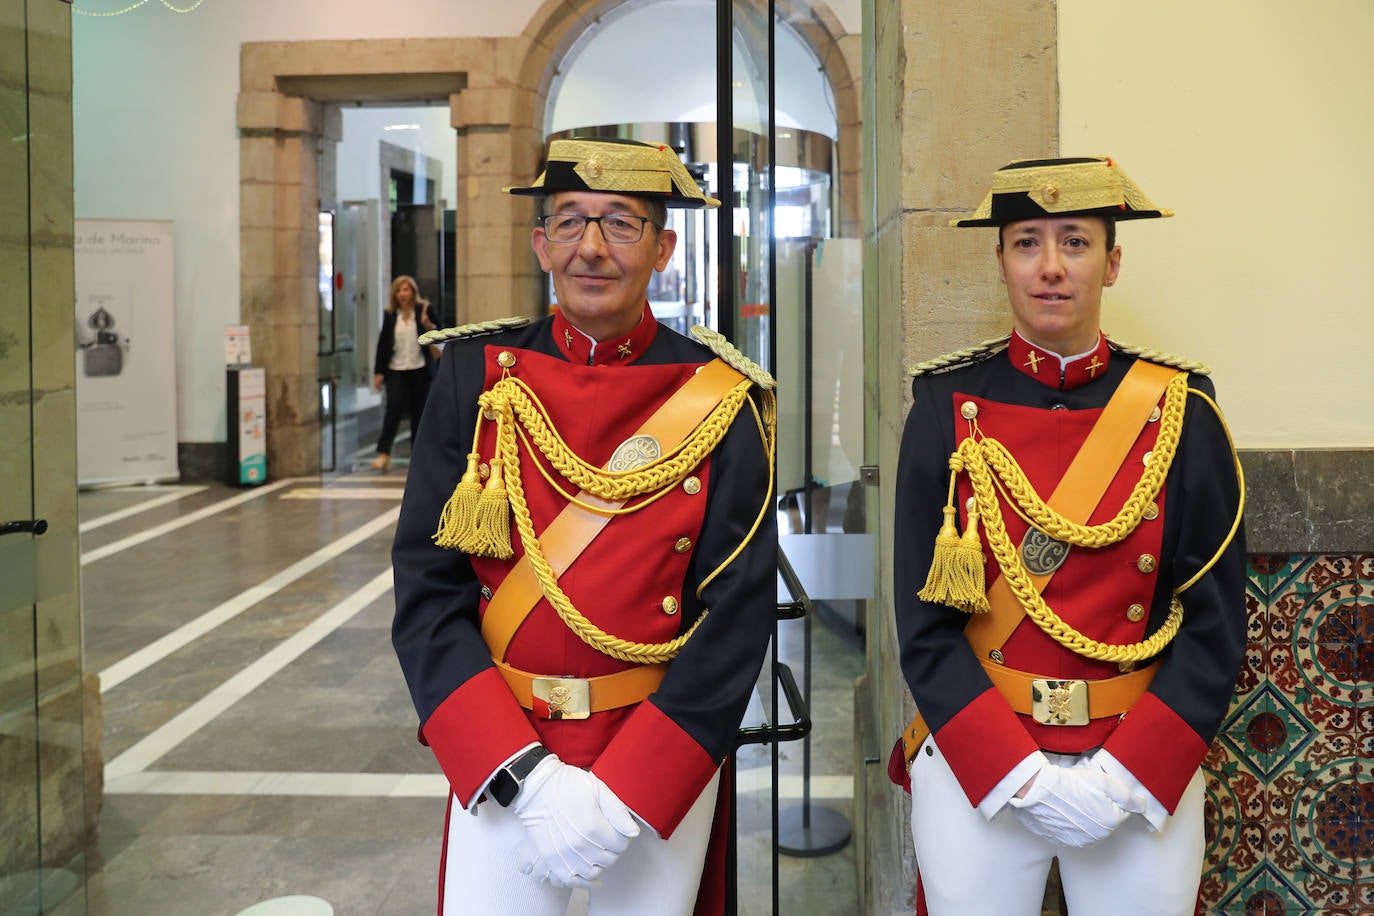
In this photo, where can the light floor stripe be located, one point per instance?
(199, 714)
(101, 553)
(119, 516)
(154, 652)
(394, 785)
(344, 493)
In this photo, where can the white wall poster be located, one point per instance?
(125, 364)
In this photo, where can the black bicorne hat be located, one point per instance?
(613, 166)
(1036, 188)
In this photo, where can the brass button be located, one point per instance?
(1145, 459)
(1145, 563)
(1150, 512)
(1154, 414)
(489, 414)
(968, 410)
(1135, 613)
(1125, 668)
(970, 504)
(683, 545)
(505, 359)
(594, 168)
(996, 655)
(692, 486)
(484, 470)
(486, 592)
(1049, 193)
(670, 605)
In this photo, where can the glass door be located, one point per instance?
(42, 785)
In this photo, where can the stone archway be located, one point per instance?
(556, 25)
(496, 89)
(287, 136)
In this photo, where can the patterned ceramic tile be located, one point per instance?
(1290, 790)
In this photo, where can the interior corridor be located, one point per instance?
(259, 742)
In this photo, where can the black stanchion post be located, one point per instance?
(806, 829)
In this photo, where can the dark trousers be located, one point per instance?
(405, 394)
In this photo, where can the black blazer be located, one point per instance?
(386, 339)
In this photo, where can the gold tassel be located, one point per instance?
(491, 528)
(956, 567)
(457, 523)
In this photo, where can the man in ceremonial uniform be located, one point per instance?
(1070, 581)
(585, 565)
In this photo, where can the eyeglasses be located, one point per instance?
(616, 228)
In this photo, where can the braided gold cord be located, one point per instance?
(981, 456)
(1158, 356)
(514, 396)
(767, 423)
(1037, 512)
(510, 400)
(958, 356)
(471, 330)
(1014, 570)
(605, 643)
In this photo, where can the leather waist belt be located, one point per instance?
(1052, 702)
(579, 697)
(1060, 702)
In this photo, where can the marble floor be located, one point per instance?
(259, 743)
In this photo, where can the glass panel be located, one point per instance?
(747, 266)
(42, 797)
(752, 70)
(19, 844)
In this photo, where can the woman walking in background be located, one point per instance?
(401, 364)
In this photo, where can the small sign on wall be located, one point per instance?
(238, 348)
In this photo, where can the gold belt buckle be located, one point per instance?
(1059, 702)
(562, 697)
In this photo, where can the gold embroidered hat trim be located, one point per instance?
(1032, 188)
(617, 167)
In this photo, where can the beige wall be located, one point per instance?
(1253, 121)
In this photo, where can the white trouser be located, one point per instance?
(652, 876)
(971, 866)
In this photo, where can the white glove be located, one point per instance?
(575, 827)
(1075, 806)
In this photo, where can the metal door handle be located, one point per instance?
(33, 526)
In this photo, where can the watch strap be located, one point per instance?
(505, 785)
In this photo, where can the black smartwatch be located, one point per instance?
(505, 785)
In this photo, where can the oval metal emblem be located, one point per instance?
(1041, 553)
(634, 452)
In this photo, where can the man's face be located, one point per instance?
(602, 287)
(1055, 269)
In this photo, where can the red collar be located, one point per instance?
(577, 347)
(1045, 367)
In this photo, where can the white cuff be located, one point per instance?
(1155, 813)
(1010, 784)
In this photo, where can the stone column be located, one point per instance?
(280, 143)
(951, 92)
(496, 274)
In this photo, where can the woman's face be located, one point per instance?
(405, 295)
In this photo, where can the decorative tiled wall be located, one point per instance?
(1290, 795)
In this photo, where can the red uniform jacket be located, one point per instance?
(656, 756)
(1043, 419)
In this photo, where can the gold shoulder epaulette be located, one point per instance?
(731, 355)
(472, 330)
(961, 357)
(1164, 359)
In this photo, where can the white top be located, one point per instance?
(405, 345)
